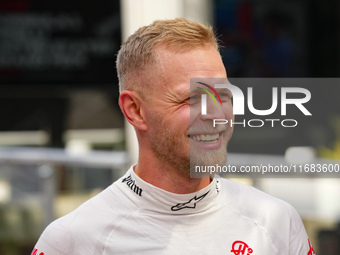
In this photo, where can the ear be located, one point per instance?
(130, 104)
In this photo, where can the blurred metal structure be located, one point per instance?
(38, 185)
(60, 156)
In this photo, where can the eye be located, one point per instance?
(225, 97)
(193, 99)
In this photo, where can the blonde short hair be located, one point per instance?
(137, 52)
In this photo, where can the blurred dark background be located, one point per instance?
(264, 38)
(57, 62)
(52, 54)
(284, 39)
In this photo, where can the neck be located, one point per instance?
(166, 177)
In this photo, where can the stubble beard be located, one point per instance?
(208, 158)
(202, 158)
(168, 147)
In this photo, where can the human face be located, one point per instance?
(208, 144)
(172, 129)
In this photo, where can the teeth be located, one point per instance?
(205, 138)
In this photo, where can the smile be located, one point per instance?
(206, 138)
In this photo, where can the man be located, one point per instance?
(156, 208)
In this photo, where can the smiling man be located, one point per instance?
(156, 208)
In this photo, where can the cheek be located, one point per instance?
(228, 112)
(181, 118)
(176, 123)
(194, 113)
(184, 121)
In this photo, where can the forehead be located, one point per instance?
(176, 68)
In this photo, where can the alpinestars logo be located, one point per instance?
(131, 184)
(190, 204)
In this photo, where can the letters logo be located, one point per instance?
(132, 185)
(238, 100)
(281, 99)
(190, 204)
(241, 248)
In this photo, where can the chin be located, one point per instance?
(208, 158)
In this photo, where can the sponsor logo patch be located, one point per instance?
(241, 248)
(132, 185)
(190, 204)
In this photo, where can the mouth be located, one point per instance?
(206, 138)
